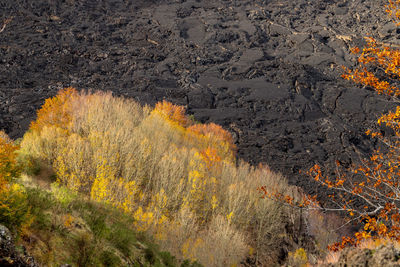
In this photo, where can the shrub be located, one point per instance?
(298, 258)
(14, 208)
(178, 180)
(9, 168)
(56, 111)
(172, 113)
(62, 194)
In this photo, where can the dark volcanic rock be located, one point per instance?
(9, 257)
(268, 71)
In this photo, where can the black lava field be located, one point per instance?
(267, 71)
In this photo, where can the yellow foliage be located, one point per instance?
(179, 181)
(68, 220)
(144, 219)
(299, 258)
(101, 187)
(8, 163)
(190, 247)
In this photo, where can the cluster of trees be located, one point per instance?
(178, 179)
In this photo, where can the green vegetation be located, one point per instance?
(59, 226)
(69, 229)
(14, 208)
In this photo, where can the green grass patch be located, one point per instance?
(67, 228)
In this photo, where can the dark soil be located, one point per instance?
(268, 71)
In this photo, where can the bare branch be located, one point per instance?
(5, 23)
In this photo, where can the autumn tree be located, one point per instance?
(56, 111)
(178, 179)
(369, 193)
(14, 209)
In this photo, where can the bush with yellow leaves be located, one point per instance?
(179, 180)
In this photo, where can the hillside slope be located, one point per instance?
(107, 170)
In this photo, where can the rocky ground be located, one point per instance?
(10, 255)
(267, 70)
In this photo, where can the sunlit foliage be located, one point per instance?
(56, 111)
(179, 180)
(14, 210)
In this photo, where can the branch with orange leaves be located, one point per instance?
(393, 9)
(379, 56)
(370, 196)
(306, 201)
(368, 193)
(378, 187)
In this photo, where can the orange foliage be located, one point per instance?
(210, 157)
(378, 187)
(380, 55)
(56, 111)
(376, 182)
(393, 9)
(172, 113)
(213, 130)
(8, 163)
(376, 54)
(201, 136)
(212, 135)
(14, 210)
